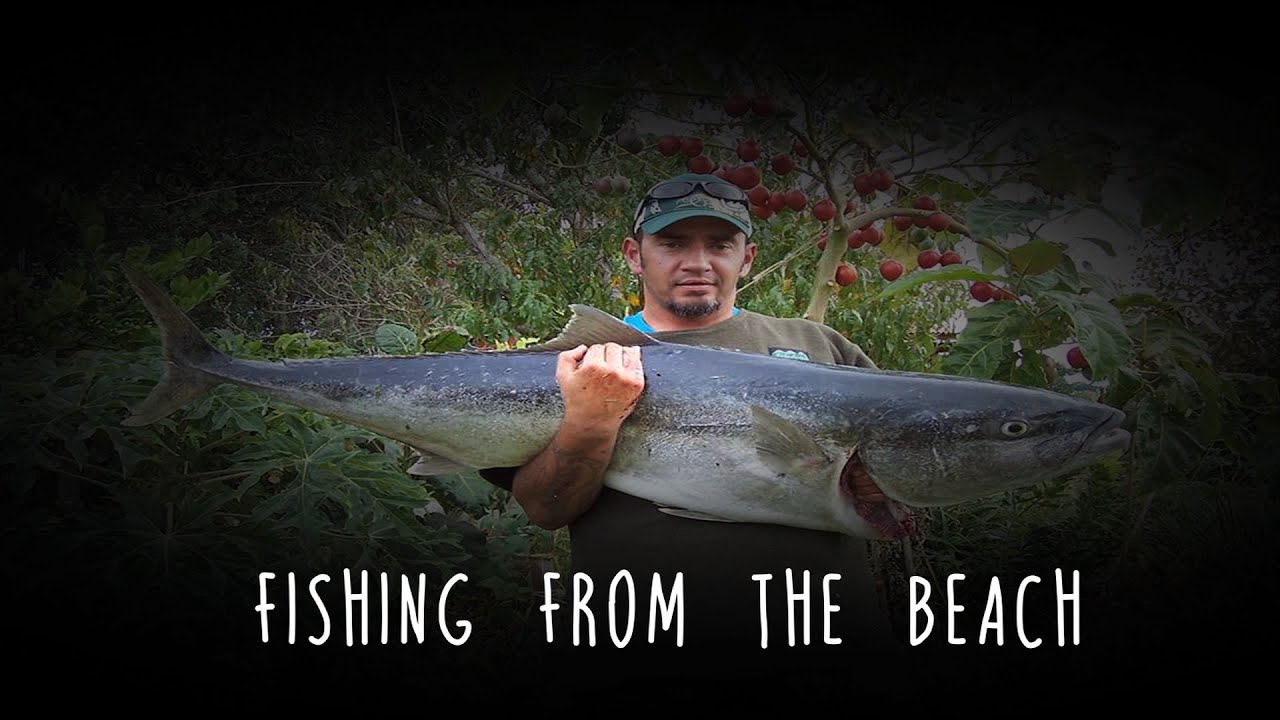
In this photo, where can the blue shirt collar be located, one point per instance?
(637, 321)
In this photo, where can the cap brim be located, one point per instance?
(656, 224)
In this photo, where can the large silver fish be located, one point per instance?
(717, 434)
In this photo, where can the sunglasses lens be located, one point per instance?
(671, 190)
(725, 191)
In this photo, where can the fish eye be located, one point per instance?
(1015, 428)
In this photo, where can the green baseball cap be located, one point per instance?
(693, 195)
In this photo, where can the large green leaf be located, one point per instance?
(1100, 330)
(991, 260)
(1035, 257)
(1077, 167)
(859, 123)
(1046, 330)
(468, 490)
(1211, 405)
(946, 189)
(1063, 276)
(1031, 370)
(394, 339)
(593, 103)
(445, 341)
(986, 341)
(1165, 443)
(1164, 338)
(989, 217)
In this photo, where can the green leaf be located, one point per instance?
(1266, 387)
(394, 339)
(1100, 284)
(1163, 443)
(1211, 405)
(991, 217)
(1124, 386)
(991, 260)
(947, 190)
(1129, 225)
(592, 105)
(129, 454)
(240, 409)
(1163, 338)
(1179, 390)
(1030, 370)
(1101, 330)
(65, 296)
(447, 341)
(1063, 276)
(199, 247)
(858, 123)
(1035, 257)
(468, 490)
(986, 341)
(946, 274)
(188, 293)
(1065, 171)
(1050, 329)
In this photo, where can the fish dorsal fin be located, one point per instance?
(590, 326)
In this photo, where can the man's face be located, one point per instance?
(691, 267)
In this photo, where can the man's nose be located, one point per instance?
(697, 258)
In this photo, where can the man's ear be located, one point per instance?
(748, 258)
(631, 251)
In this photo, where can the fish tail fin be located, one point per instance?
(181, 343)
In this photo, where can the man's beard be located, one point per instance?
(693, 309)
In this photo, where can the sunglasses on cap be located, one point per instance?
(676, 189)
(673, 189)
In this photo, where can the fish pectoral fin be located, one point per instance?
(590, 326)
(429, 464)
(783, 446)
(694, 514)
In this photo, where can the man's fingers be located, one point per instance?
(569, 359)
(631, 359)
(612, 354)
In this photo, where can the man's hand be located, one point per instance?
(601, 384)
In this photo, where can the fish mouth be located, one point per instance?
(891, 519)
(1108, 436)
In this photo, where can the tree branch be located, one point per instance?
(513, 186)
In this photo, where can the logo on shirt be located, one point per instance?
(788, 353)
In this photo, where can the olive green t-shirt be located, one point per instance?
(782, 337)
(717, 559)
